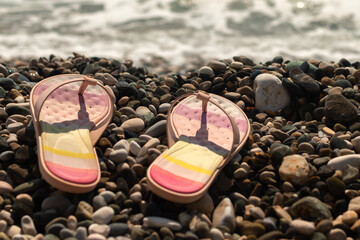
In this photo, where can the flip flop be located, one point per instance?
(69, 117)
(188, 109)
(206, 136)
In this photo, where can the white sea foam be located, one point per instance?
(181, 30)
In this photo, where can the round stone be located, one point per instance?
(103, 215)
(134, 125)
(206, 72)
(295, 169)
(5, 187)
(336, 234)
(303, 227)
(270, 94)
(349, 217)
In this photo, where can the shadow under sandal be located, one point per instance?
(69, 113)
(206, 136)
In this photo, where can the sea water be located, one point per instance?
(181, 30)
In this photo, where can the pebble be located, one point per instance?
(336, 234)
(108, 79)
(118, 229)
(341, 162)
(269, 93)
(66, 233)
(205, 204)
(59, 202)
(295, 169)
(338, 109)
(224, 215)
(99, 202)
(157, 129)
(237, 65)
(81, 233)
(13, 230)
(84, 211)
(310, 208)
(28, 226)
(350, 174)
(103, 215)
(335, 186)
(3, 225)
(107, 195)
(14, 127)
(100, 229)
(5, 215)
(251, 228)
(354, 205)
(135, 125)
(136, 197)
(257, 213)
(158, 222)
(118, 156)
(217, 65)
(206, 72)
(122, 144)
(349, 217)
(216, 234)
(72, 222)
(303, 227)
(134, 148)
(164, 107)
(5, 187)
(306, 147)
(305, 81)
(95, 236)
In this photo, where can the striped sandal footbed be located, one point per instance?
(66, 119)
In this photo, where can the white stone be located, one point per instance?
(270, 94)
(340, 163)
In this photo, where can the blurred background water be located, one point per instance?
(181, 31)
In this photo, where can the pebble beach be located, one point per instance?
(297, 176)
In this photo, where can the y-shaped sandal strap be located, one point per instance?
(86, 81)
(205, 98)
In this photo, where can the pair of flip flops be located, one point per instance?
(70, 112)
(204, 132)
